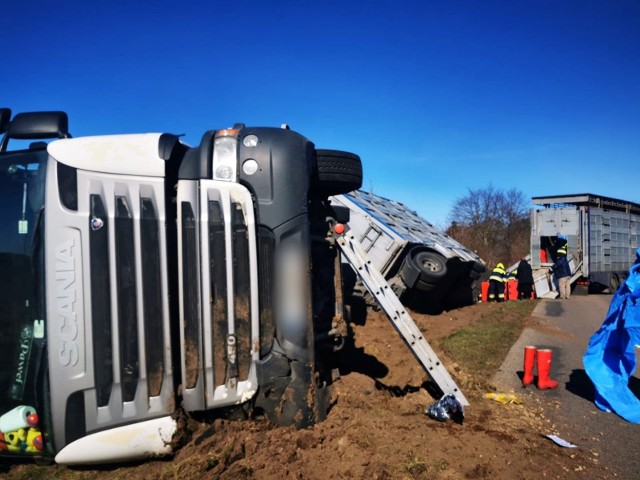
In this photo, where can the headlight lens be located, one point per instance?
(250, 166)
(250, 141)
(225, 158)
(223, 172)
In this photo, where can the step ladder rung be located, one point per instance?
(397, 314)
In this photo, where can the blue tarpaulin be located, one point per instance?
(610, 359)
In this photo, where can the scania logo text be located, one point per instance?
(66, 317)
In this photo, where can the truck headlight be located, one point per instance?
(225, 155)
(223, 172)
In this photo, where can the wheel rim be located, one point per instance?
(431, 266)
(429, 263)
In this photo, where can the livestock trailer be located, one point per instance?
(602, 235)
(416, 258)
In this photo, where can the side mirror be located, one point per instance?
(36, 126)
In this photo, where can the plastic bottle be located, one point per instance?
(16, 418)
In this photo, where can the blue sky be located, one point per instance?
(437, 97)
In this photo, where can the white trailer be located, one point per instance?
(602, 235)
(419, 261)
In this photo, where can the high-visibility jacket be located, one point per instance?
(562, 249)
(498, 274)
(512, 275)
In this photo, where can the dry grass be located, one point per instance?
(479, 349)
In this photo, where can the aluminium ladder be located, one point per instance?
(397, 314)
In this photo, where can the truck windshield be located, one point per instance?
(22, 317)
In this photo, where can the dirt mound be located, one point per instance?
(377, 427)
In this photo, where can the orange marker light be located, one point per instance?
(229, 132)
(339, 228)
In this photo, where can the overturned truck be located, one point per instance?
(425, 267)
(142, 278)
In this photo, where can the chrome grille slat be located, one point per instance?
(228, 289)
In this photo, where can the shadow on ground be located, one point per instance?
(581, 385)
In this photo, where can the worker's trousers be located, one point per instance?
(496, 291)
(564, 287)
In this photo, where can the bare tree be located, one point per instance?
(515, 212)
(493, 222)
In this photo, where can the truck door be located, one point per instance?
(549, 224)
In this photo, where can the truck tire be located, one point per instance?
(336, 172)
(424, 265)
(473, 275)
(476, 271)
(478, 267)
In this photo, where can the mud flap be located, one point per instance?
(288, 393)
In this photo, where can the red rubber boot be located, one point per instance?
(529, 362)
(545, 382)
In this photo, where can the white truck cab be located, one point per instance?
(143, 278)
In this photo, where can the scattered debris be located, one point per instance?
(503, 398)
(447, 407)
(561, 442)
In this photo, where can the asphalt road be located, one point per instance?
(565, 326)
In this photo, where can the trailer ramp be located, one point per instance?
(397, 314)
(544, 282)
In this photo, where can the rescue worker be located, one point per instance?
(562, 272)
(525, 280)
(510, 285)
(562, 247)
(496, 284)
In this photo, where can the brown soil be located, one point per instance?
(376, 429)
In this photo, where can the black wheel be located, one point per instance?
(432, 266)
(476, 270)
(336, 172)
(478, 267)
(423, 269)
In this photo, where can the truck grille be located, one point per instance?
(120, 369)
(127, 263)
(219, 293)
(100, 299)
